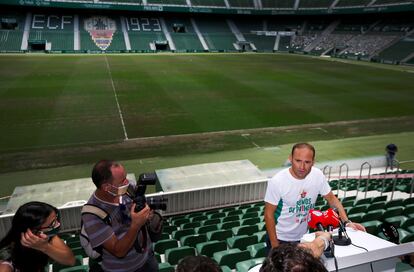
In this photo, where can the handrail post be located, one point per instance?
(340, 177)
(360, 176)
(394, 183)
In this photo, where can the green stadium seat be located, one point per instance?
(194, 214)
(408, 225)
(261, 236)
(244, 266)
(261, 226)
(210, 212)
(210, 247)
(248, 230)
(225, 268)
(228, 209)
(174, 255)
(356, 217)
(349, 203)
(229, 225)
(379, 199)
(169, 229)
(241, 241)
(373, 215)
(251, 221)
(377, 206)
(205, 229)
(408, 238)
(165, 267)
(219, 235)
(192, 240)
(408, 201)
(190, 225)
(363, 201)
(358, 209)
(164, 236)
(217, 215)
(76, 268)
(372, 226)
(252, 209)
(258, 250)
(230, 218)
(235, 212)
(157, 256)
(394, 203)
(250, 215)
(409, 210)
(162, 245)
(79, 251)
(213, 221)
(231, 257)
(177, 234)
(353, 198)
(199, 218)
(59, 267)
(179, 222)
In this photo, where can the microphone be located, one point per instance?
(340, 239)
(331, 219)
(315, 220)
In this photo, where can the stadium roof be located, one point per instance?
(59, 194)
(209, 175)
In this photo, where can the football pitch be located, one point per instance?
(67, 109)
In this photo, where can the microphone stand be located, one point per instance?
(340, 239)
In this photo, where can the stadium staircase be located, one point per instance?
(217, 34)
(186, 41)
(323, 35)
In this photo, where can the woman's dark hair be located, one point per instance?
(197, 264)
(29, 216)
(291, 258)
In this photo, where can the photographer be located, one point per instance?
(125, 243)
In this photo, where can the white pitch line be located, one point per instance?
(116, 99)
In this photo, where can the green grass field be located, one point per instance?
(74, 109)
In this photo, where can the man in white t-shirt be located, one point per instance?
(292, 192)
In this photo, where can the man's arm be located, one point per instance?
(121, 247)
(317, 246)
(333, 201)
(269, 216)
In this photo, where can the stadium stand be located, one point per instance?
(208, 3)
(278, 4)
(352, 3)
(11, 32)
(315, 3)
(217, 34)
(168, 2)
(241, 3)
(184, 35)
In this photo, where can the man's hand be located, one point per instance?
(356, 226)
(31, 240)
(138, 219)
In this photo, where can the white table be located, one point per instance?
(381, 253)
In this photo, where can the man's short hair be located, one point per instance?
(102, 172)
(197, 264)
(304, 145)
(291, 258)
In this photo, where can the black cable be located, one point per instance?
(336, 264)
(370, 264)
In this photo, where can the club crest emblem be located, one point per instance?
(303, 194)
(101, 30)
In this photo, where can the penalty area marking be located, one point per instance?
(116, 99)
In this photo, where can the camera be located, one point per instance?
(138, 193)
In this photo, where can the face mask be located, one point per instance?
(52, 232)
(118, 191)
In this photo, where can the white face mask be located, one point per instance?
(118, 191)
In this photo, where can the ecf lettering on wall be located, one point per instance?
(143, 24)
(51, 22)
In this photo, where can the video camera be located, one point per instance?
(138, 193)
